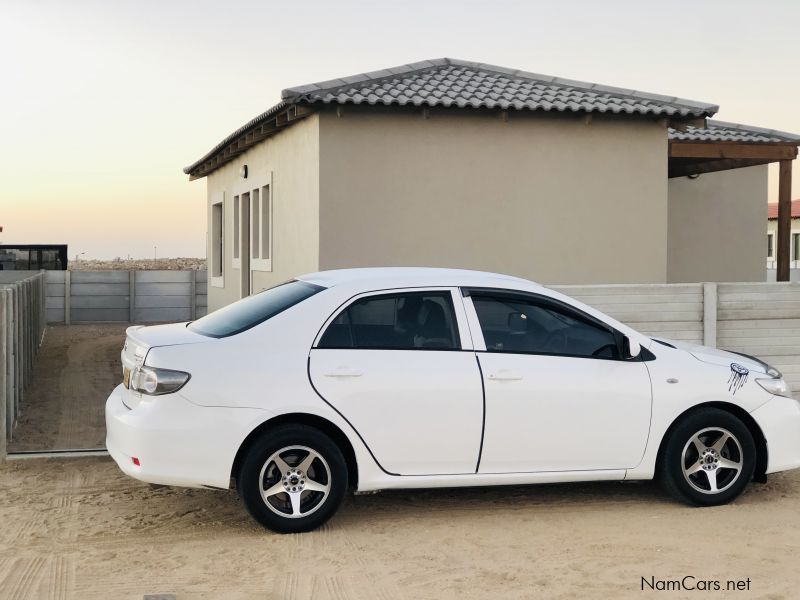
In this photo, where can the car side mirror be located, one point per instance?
(633, 347)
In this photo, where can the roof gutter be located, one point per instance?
(234, 137)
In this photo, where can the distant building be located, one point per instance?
(772, 239)
(458, 164)
(33, 257)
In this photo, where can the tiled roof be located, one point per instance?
(448, 82)
(721, 131)
(772, 209)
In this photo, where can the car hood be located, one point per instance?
(172, 334)
(715, 356)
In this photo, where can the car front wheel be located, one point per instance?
(292, 479)
(709, 458)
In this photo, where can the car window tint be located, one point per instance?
(521, 325)
(249, 312)
(409, 321)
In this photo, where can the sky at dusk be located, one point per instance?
(104, 103)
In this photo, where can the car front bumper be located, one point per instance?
(175, 441)
(779, 420)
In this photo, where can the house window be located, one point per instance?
(266, 222)
(770, 245)
(796, 246)
(261, 228)
(217, 228)
(254, 223)
(236, 221)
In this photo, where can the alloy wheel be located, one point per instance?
(295, 481)
(712, 460)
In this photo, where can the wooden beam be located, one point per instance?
(700, 166)
(784, 218)
(732, 150)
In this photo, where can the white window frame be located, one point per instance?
(259, 263)
(217, 281)
(236, 254)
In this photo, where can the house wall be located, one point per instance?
(794, 250)
(291, 160)
(717, 226)
(556, 200)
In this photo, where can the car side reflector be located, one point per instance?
(136, 461)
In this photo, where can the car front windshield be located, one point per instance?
(249, 312)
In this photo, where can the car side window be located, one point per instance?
(523, 325)
(404, 321)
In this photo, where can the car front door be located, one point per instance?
(400, 368)
(559, 397)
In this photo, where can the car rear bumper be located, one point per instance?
(779, 420)
(175, 441)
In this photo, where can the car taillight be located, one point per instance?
(154, 382)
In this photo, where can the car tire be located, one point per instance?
(708, 458)
(292, 479)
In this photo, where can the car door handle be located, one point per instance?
(505, 375)
(343, 372)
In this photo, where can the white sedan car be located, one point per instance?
(419, 378)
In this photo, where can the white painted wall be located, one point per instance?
(291, 159)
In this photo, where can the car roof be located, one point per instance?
(414, 277)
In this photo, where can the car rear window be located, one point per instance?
(249, 312)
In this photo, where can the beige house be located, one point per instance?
(457, 164)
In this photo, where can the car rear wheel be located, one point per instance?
(293, 479)
(709, 458)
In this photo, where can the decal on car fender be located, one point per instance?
(738, 377)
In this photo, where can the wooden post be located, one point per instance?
(784, 219)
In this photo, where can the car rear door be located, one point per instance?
(558, 395)
(399, 366)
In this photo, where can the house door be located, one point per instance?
(244, 245)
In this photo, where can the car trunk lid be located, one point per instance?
(141, 339)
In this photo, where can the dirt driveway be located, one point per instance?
(77, 528)
(74, 372)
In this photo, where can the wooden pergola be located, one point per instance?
(722, 146)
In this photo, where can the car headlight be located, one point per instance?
(776, 386)
(154, 382)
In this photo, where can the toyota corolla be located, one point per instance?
(371, 379)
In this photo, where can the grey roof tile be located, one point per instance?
(722, 131)
(482, 86)
(450, 82)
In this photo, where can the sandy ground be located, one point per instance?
(74, 372)
(77, 528)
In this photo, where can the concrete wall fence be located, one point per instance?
(760, 319)
(22, 323)
(125, 296)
